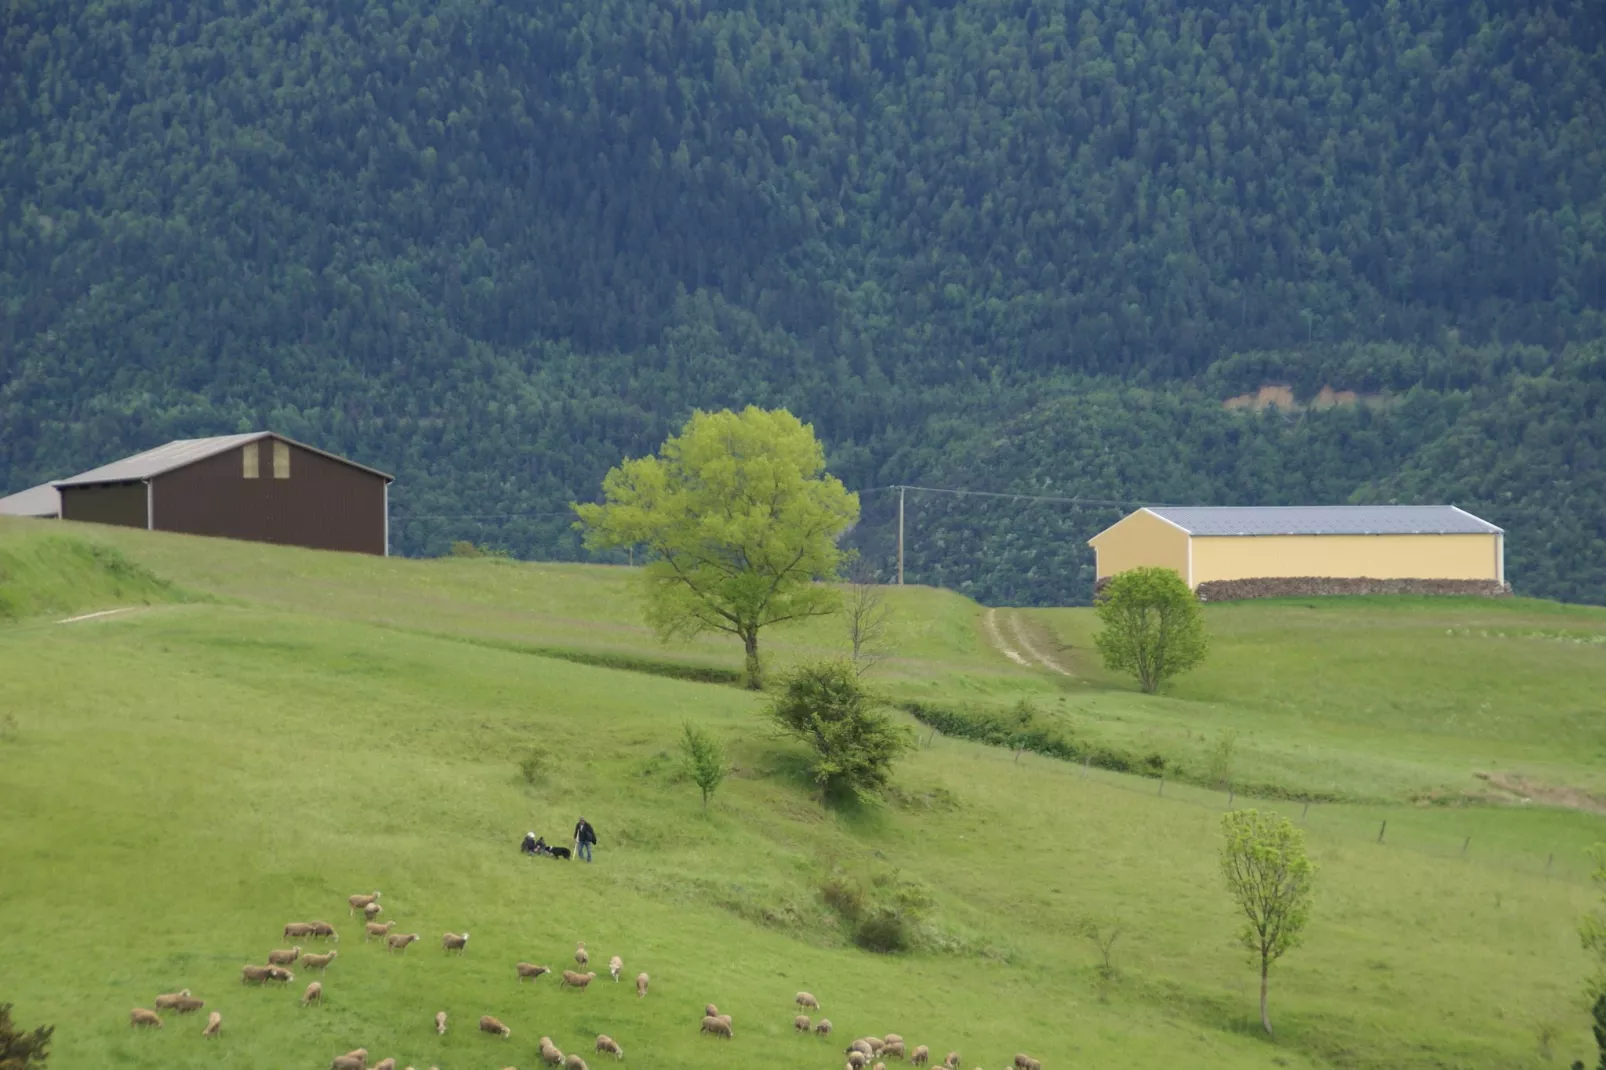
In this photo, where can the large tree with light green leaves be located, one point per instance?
(1151, 626)
(740, 521)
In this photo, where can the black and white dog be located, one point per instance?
(537, 845)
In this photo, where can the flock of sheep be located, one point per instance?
(277, 969)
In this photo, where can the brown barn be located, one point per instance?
(261, 487)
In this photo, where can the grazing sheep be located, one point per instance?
(359, 902)
(1026, 1062)
(858, 1060)
(880, 1066)
(550, 1053)
(710, 1011)
(189, 1005)
(385, 1064)
(214, 1023)
(718, 1026)
(139, 1016)
(356, 1059)
(491, 1025)
(399, 941)
(313, 994)
(804, 999)
(876, 1044)
(529, 970)
(374, 928)
(258, 974)
(168, 1000)
(573, 1062)
(285, 956)
(823, 1027)
(577, 980)
(280, 974)
(318, 962)
(615, 964)
(920, 1056)
(609, 1045)
(298, 928)
(580, 955)
(891, 1038)
(952, 1062)
(641, 984)
(322, 930)
(893, 1050)
(862, 1046)
(453, 942)
(440, 1023)
(372, 911)
(802, 1024)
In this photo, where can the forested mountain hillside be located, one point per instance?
(1011, 245)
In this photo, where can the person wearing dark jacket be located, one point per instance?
(584, 837)
(531, 845)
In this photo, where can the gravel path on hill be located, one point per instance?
(989, 622)
(1018, 626)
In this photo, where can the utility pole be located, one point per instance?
(900, 536)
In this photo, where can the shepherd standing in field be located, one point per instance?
(584, 837)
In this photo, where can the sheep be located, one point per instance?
(285, 956)
(822, 1027)
(280, 974)
(891, 1038)
(318, 962)
(374, 928)
(577, 980)
(801, 1023)
(605, 1043)
(804, 999)
(880, 1066)
(952, 1062)
(530, 971)
(440, 1023)
(641, 985)
(876, 1044)
(453, 942)
(356, 1059)
(920, 1056)
(549, 1052)
(298, 928)
(580, 955)
(322, 929)
(399, 941)
(710, 1011)
(214, 1024)
(139, 1016)
(359, 902)
(718, 1026)
(258, 974)
(385, 1064)
(574, 1062)
(1026, 1062)
(313, 994)
(893, 1050)
(168, 1000)
(491, 1025)
(858, 1060)
(189, 1005)
(615, 964)
(862, 1046)
(372, 911)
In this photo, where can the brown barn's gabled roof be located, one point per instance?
(186, 451)
(43, 500)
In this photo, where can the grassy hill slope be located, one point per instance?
(183, 780)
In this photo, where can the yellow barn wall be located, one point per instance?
(1378, 557)
(1141, 540)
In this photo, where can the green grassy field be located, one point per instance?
(279, 729)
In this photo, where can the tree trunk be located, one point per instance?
(755, 670)
(1265, 1018)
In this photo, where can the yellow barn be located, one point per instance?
(1236, 552)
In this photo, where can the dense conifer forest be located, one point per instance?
(1018, 246)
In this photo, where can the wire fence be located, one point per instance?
(1433, 832)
